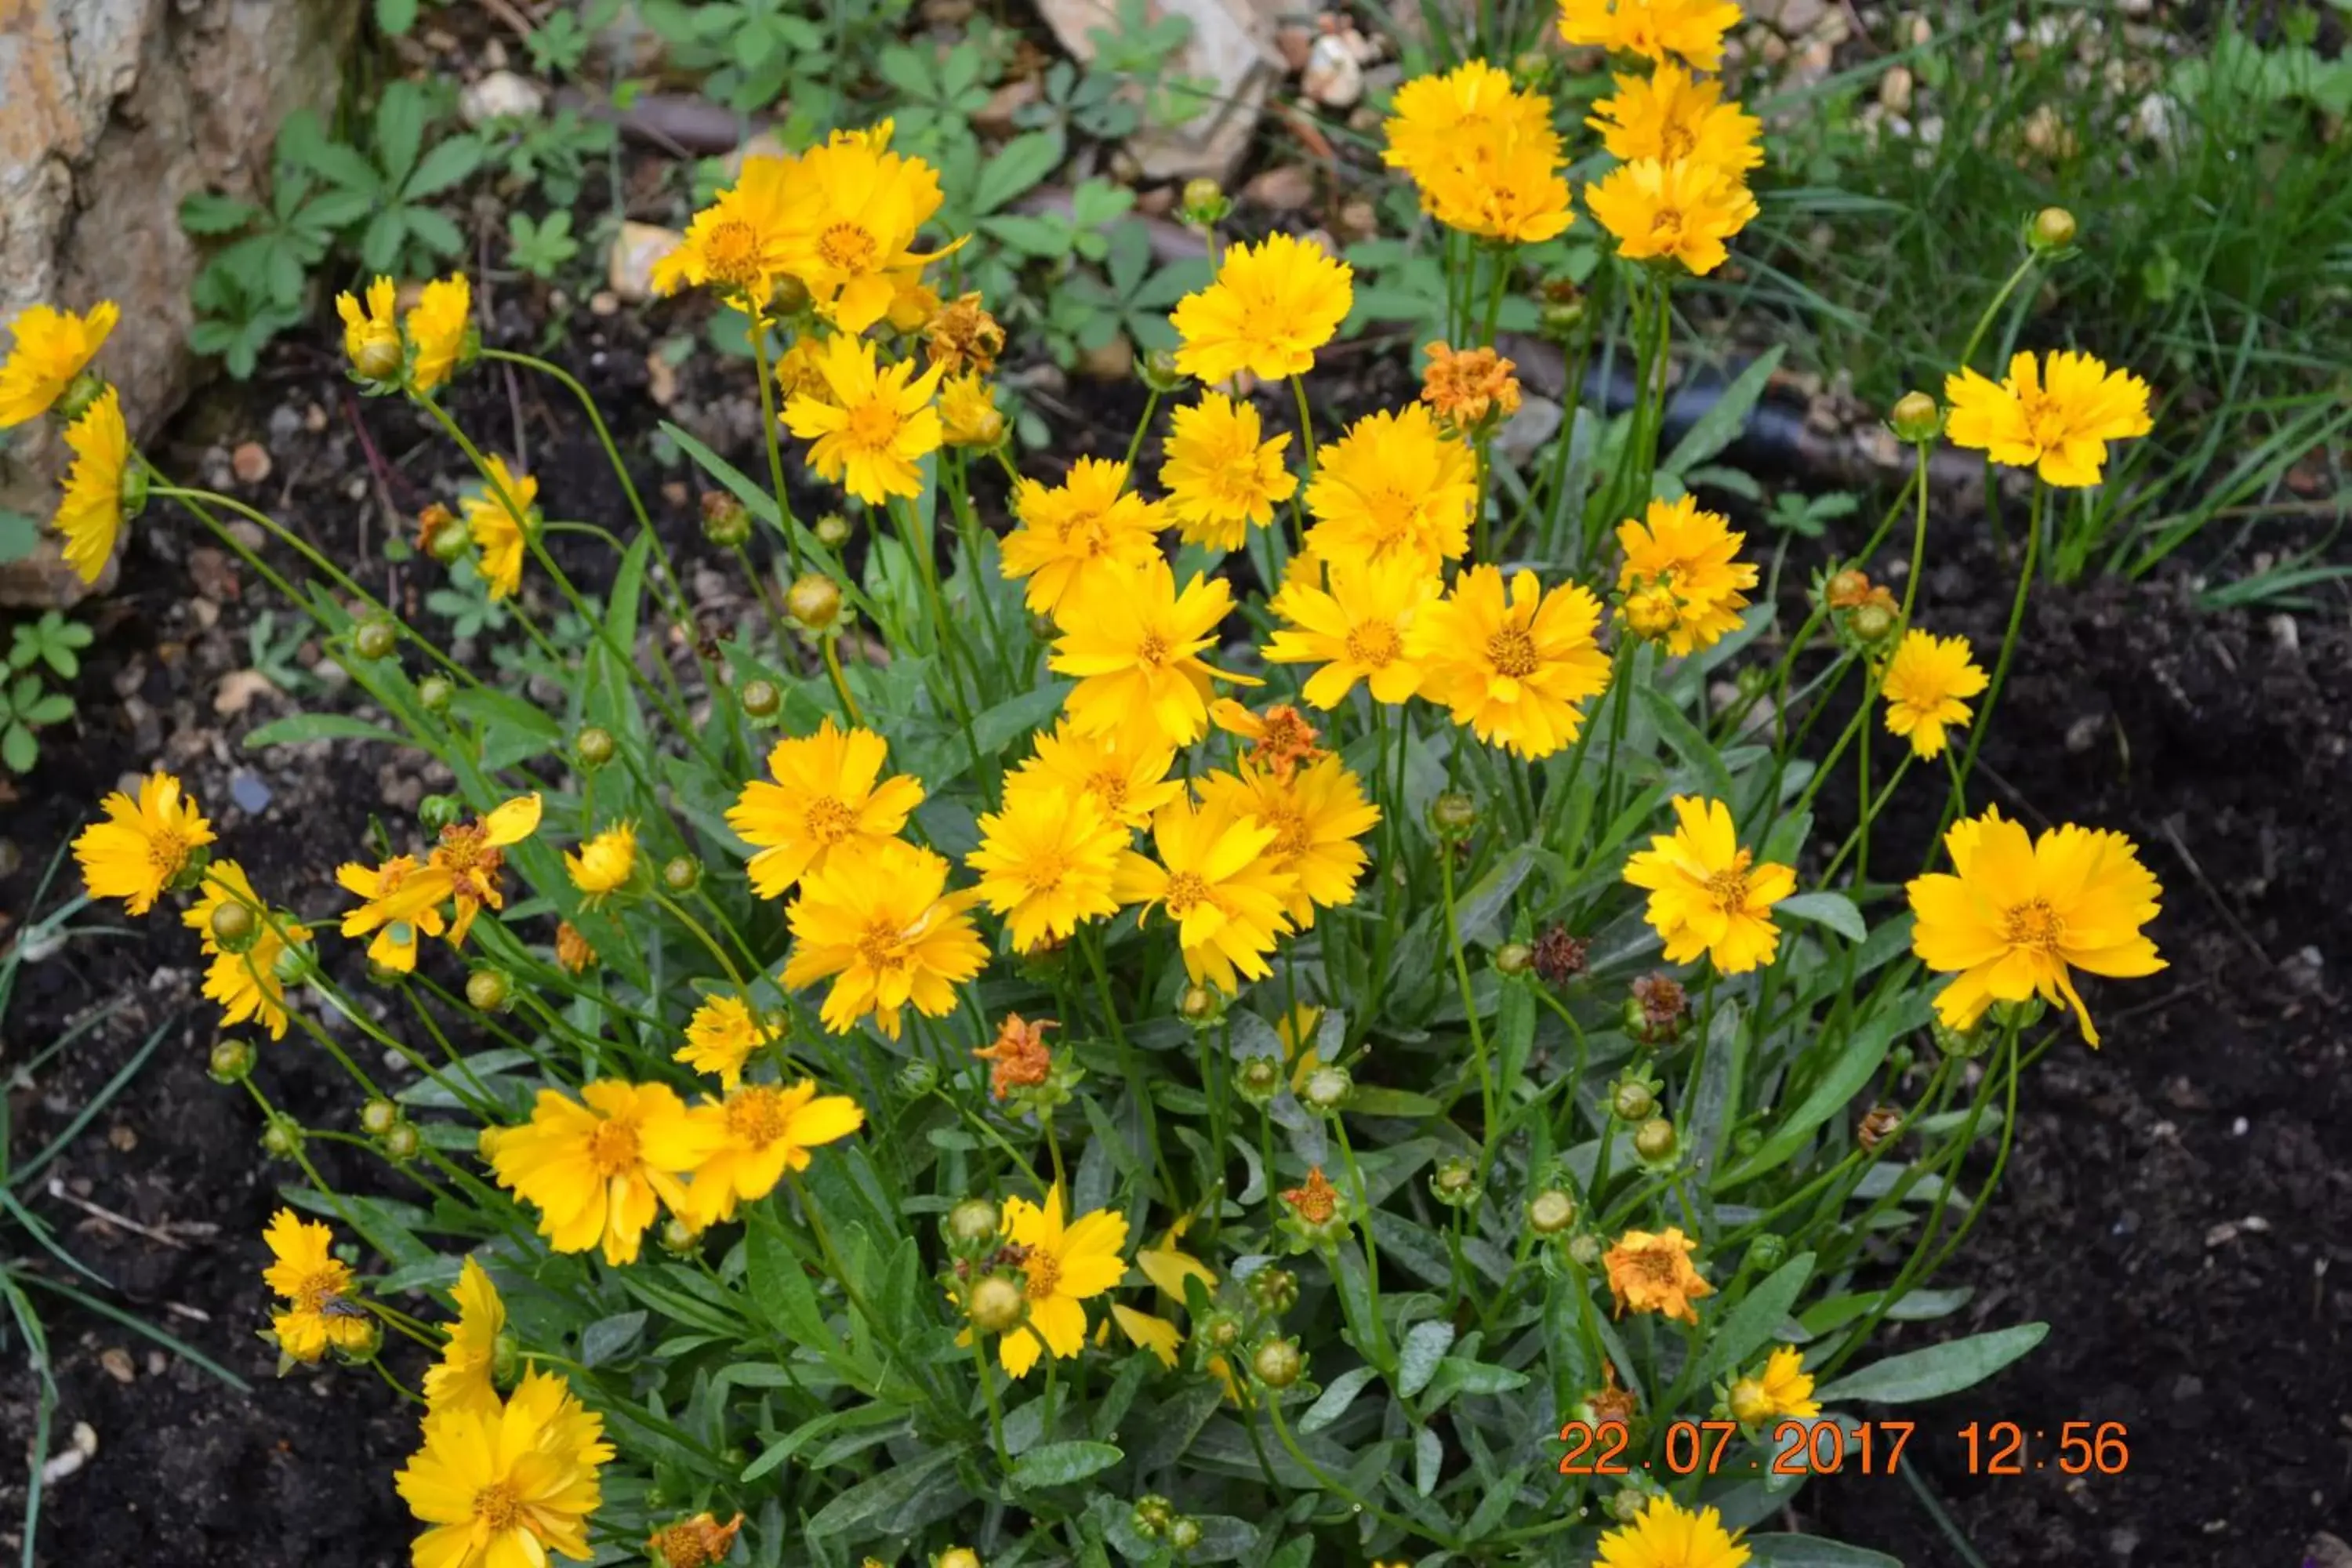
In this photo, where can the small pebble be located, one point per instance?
(122, 1139)
(250, 463)
(2238, 1128)
(252, 796)
(117, 1363)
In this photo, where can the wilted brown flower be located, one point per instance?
(571, 950)
(695, 1542)
(1316, 1201)
(1560, 957)
(1876, 1126)
(1465, 388)
(1660, 997)
(1609, 1402)
(964, 336)
(1286, 742)
(1018, 1058)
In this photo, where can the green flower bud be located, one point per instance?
(1274, 1289)
(760, 698)
(681, 873)
(1916, 419)
(918, 1076)
(234, 926)
(973, 1223)
(1551, 1211)
(678, 1238)
(296, 964)
(995, 1305)
(374, 639)
(1259, 1079)
(726, 521)
(85, 389)
(281, 1138)
(1277, 1364)
(448, 540)
(1183, 1533)
(813, 600)
(1513, 958)
(432, 694)
(402, 1144)
(1328, 1089)
(1584, 1250)
(1871, 623)
(832, 530)
(1201, 1005)
(1454, 1182)
(1632, 1100)
(1654, 1140)
(378, 1117)
(1220, 1331)
(593, 746)
(1204, 203)
(1768, 1252)
(1159, 372)
(488, 991)
(1151, 1515)
(2053, 230)
(1452, 815)
(231, 1061)
(435, 812)
(506, 1355)
(1962, 1043)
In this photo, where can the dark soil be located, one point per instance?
(2219, 1099)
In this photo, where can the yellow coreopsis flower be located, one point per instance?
(1047, 861)
(599, 1171)
(465, 1376)
(320, 1314)
(1062, 1265)
(1513, 669)
(1128, 784)
(829, 795)
(1135, 647)
(91, 513)
(1317, 813)
(768, 1130)
(1692, 29)
(1437, 116)
(1221, 476)
(52, 348)
(372, 331)
(400, 901)
(502, 517)
(1087, 531)
(1926, 687)
(968, 413)
(874, 426)
(1682, 212)
(2015, 917)
(1653, 1273)
(1501, 185)
(144, 846)
(1216, 879)
(1671, 115)
(1353, 619)
(741, 243)
(1668, 1535)
(1706, 895)
(1394, 485)
(471, 854)
(1682, 577)
(507, 1486)
(881, 924)
(246, 983)
(1781, 1388)
(438, 325)
(2056, 420)
(603, 863)
(866, 203)
(1272, 304)
(720, 1037)
(1145, 1331)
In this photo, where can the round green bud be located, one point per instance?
(1871, 623)
(1259, 1079)
(1584, 1250)
(296, 964)
(1654, 1140)
(1551, 1211)
(813, 600)
(1454, 1182)
(996, 1304)
(1632, 1100)
(1628, 1502)
(2053, 229)
(374, 639)
(402, 1142)
(1963, 1043)
(678, 1238)
(1513, 958)
(231, 1061)
(1328, 1087)
(726, 521)
(506, 1351)
(1152, 1514)
(1201, 1005)
(1204, 203)
(974, 1222)
(832, 530)
(681, 873)
(234, 926)
(437, 812)
(1900, 1059)
(917, 1075)
(378, 1117)
(1561, 317)
(1183, 1533)
(488, 991)
(448, 543)
(1276, 1290)
(1159, 372)
(1768, 1252)
(1747, 1140)
(1277, 1364)
(760, 698)
(1914, 418)
(1221, 1331)
(282, 1138)
(593, 746)
(1454, 815)
(432, 694)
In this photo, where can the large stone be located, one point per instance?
(1232, 47)
(111, 111)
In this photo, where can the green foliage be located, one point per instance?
(541, 248)
(38, 652)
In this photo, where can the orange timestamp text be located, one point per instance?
(1825, 1447)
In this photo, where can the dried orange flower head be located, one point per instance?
(1286, 742)
(963, 336)
(1018, 1058)
(1660, 997)
(1316, 1201)
(430, 524)
(1467, 387)
(695, 1542)
(1558, 955)
(572, 949)
(1848, 589)
(1653, 1273)
(1609, 1402)
(1877, 1124)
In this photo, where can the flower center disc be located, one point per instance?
(1513, 653)
(612, 1148)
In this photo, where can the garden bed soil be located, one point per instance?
(2179, 1209)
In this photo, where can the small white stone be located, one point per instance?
(500, 95)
